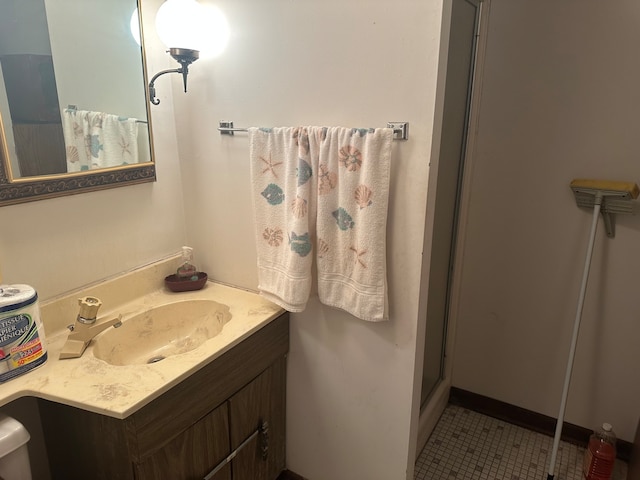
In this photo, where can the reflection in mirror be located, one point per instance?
(73, 106)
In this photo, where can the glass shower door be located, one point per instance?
(460, 64)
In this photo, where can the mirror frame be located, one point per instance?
(41, 188)
(31, 189)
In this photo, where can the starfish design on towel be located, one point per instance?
(125, 145)
(270, 166)
(358, 254)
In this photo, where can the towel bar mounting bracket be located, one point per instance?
(226, 128)
(400, 129)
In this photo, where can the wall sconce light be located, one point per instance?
(188, 29)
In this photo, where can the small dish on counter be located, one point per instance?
(176, 284)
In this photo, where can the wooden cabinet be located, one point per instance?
(189, 430)
(193, 453)
(262, 399)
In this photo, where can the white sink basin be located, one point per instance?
(162, 331)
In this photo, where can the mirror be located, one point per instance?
(74, 115)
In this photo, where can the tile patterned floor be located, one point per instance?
(466, 445)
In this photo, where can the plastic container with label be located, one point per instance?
(22, 338)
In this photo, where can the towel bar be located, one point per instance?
(400, 129)
(75, 108)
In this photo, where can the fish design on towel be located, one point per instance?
(273, 194)
(300, 244)
(304, 172)
(362, 131)
(344, 220)
(93, 145)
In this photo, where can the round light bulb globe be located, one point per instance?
(178, 23)
(134, 26)
(191, 25)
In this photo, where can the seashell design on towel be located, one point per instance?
(300, 244)
(299, 207)
(363, 196)
(301, 136)
(350, 157)
(273, 194)
(327, 180)
(344, 220)
(303, 172)
(273, 236)
(73, 155)
(96, 121)
(323, 248)
(78, 131)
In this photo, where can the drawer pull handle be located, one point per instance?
(263, 431)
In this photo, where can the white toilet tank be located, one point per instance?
(14, 456)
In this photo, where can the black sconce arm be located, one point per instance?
(152, 87)
(184, 57)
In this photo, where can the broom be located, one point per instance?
(606, 198)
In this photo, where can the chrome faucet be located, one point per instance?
(86, 327)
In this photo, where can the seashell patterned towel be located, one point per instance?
(322, 192)
(98, 140)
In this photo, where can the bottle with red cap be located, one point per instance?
(600, 455)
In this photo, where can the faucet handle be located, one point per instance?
(89, 307)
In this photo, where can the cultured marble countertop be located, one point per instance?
(119, 391)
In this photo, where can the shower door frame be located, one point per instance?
(432, 406)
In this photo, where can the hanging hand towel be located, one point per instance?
(283, 187)
(98, 140)
(353, 191)
(119, 140)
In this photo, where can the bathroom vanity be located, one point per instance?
(210, 406)
(186, 432)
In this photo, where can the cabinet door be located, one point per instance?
(261, 400)
(193, 453)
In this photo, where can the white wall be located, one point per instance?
(560, 101)
(61, 244)
(350, 405)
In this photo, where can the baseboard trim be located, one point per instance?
(289, 475)
(528, 419)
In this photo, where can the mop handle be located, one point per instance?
(574, 339)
